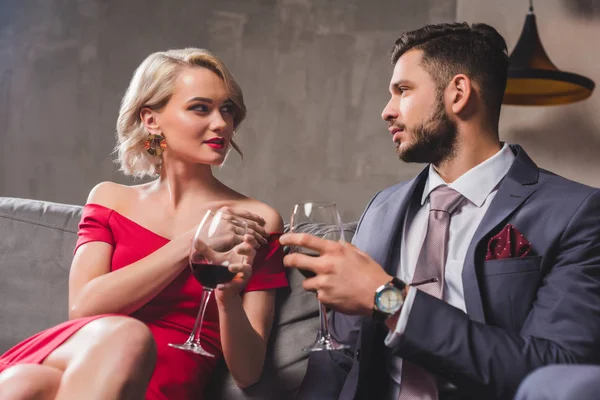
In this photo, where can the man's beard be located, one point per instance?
(434, 140)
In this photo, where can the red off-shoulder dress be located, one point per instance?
(179, 375)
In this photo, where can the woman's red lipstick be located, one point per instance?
(215, 143)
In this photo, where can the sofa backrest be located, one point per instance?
(36, 247)
(37, 239)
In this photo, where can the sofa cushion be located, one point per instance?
(36, 247)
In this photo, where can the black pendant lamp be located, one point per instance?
(534, 80)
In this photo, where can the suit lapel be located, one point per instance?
(519, 183)
(380, 225)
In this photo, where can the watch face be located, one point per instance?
(389, 300)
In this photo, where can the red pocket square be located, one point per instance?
(508, 243)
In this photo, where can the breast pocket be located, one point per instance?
(509, 287)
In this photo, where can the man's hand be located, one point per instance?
(346, 277)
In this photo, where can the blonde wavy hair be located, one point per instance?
(151, 87)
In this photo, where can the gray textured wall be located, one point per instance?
(314, 73)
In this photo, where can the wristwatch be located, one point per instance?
(388, 299)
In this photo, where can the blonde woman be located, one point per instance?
(130, 290)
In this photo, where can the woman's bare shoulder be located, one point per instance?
(112, 195)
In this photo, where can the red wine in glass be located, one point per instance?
(306, 273)
(307, 252)
(210, 275)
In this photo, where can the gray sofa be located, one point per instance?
(37, 239)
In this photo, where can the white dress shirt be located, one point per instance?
(479, 186)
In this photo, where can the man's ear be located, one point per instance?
(459, 92)
(149, 119)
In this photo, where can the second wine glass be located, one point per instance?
(323, 219)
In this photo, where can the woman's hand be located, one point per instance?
(255, 224)
(243, 255)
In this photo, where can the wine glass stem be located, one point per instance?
(324, 328)
(195, 336)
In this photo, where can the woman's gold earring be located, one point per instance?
(155, 144)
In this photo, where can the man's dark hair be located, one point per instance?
(477, 51)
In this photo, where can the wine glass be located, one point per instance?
(322, 217)
(211, 253)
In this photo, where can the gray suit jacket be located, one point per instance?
(522, 313)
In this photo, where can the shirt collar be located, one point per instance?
(477, 183)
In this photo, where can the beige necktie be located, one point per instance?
(416, 382)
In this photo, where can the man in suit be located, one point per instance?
(511, 252)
